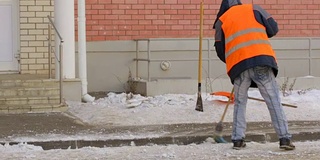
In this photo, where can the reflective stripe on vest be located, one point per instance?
(246, 44)
(243, 41)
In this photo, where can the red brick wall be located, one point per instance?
(132, 19)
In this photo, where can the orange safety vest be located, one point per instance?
(244, 36)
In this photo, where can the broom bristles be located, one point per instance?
(219, 139)
(218, 134)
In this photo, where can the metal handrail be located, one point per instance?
(209, 59)
(60, 60)
(149, 50)
(51, 22)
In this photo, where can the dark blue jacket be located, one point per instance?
(264, 19)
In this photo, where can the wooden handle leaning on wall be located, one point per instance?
(284, 104)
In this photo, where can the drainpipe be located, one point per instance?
(82, 51)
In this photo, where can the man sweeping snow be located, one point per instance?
(241, 41)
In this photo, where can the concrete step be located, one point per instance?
(28, 100)
(34, 108)
(29, 83)
(29, 91)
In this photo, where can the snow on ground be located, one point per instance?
(127, 109)
(204, 151)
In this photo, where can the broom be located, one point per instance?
(218, 130)
(199, 105)
(227, 94)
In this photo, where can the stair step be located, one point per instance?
(34, 91)
(29, 93)
(26, 100)
(29, 83)
(35, 108)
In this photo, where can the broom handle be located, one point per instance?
(229, 101)
(284, 104)
(200, 44)
(199, 105)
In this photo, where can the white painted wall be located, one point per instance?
(109, 61)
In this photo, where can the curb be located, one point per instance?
(165, 140)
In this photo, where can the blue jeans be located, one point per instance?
(264, 78)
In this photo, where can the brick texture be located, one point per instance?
(33, 35)
(134, 19)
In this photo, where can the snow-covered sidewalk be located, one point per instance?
(135, 110)
(126, 109)
(204, 151)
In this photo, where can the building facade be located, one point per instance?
(112, 26)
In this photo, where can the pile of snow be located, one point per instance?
(129, 109)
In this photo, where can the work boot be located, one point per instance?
(238, 144)
(286, 144)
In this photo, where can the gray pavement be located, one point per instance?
(75, 134)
